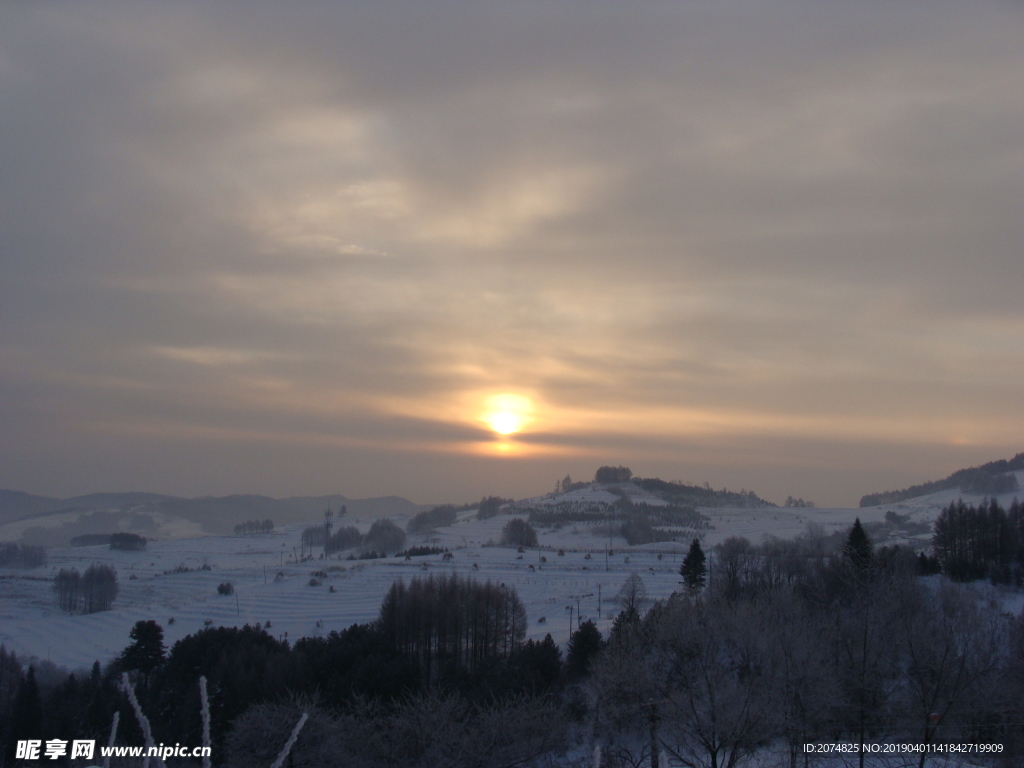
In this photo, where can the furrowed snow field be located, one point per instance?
(167, 580)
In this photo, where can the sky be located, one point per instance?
(448, 249)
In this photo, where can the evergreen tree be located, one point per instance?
(535, 667)
(694, 569)
(147, 652)
(28, 713)
(857, 548)
(584, 644)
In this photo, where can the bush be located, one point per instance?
(227, 588)
(518, 532)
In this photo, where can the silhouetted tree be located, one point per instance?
(438, 517)
(613, 475)
(857, 549)
(146, 653)
(450, 622)
(27, 722)
(384, 536)
(535, 667)
(694, 569)
(584, 644)
(489, 507)
(518, 533)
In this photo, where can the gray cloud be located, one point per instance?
(331, 230)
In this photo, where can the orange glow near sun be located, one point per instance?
(507, 414)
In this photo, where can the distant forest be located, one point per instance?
(991, 478)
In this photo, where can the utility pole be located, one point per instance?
(577, 599)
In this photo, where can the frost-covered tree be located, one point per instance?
(632, 597)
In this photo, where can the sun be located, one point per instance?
(507, 414)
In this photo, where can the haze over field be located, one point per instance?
(449, 250)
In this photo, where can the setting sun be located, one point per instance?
(507, 414)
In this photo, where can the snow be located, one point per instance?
(167, 581)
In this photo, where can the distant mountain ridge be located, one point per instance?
(216, 514)
(992, 478)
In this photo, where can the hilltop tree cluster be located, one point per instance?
(613, 475)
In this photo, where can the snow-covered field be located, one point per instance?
(168, 583)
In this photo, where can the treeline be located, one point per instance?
(130, 542)
(993, 479)
(255, 526)
(21, 555)
(983, 542)
(700, 495)
(91, 592)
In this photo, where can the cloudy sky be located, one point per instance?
(296, 248)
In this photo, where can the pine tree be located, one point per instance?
(147, 652)
(858, 547)
(694, 569)
(28, 710)
(584, 644)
